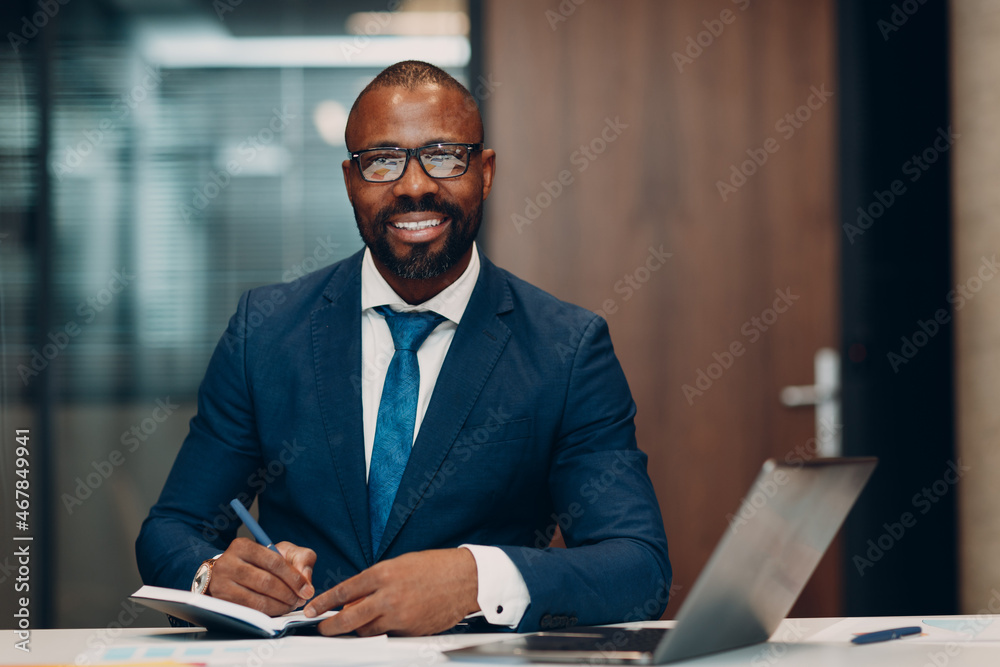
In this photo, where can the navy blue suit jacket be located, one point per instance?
(530, 424)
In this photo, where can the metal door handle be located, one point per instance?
(825, 396)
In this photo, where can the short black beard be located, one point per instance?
(421, 264)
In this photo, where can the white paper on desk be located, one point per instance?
(250, 652)
(979, 628)
(950, 629)
(349, 651)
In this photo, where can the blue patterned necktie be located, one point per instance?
(397, 413)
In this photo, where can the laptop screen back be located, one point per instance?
(770, 549)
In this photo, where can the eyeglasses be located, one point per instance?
(382, 165)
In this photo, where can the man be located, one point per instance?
(423, 478)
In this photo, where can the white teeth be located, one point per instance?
(422, 224)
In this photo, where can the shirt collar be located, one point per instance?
(450, 302)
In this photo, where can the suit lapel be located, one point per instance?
(336, 333)
(478, 342)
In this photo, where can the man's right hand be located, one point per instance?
(254, 576)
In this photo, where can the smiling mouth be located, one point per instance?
(419, 224)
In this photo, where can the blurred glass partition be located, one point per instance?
(194, 153)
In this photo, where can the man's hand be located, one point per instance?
(418, 593)
(254, 576)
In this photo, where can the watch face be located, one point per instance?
(201, 579)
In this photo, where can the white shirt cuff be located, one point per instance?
(503, 595)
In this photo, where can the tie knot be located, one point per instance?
(409, 330)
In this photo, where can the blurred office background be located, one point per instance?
(691, 170)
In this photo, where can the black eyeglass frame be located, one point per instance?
(414, 152)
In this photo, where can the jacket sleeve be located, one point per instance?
(615, 567)
(192, 520)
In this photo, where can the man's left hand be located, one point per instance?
(419, 593)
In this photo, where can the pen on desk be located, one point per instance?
(258, 532)
(886, 635)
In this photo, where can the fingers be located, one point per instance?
(347, 593)
(302, 560)
(419, 593)
(297, 586)
(254, 576)
(361, 616)
(234, 592)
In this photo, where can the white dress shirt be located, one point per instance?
(503, 595)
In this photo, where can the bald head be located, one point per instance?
(412, 75)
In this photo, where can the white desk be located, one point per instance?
(955, 641)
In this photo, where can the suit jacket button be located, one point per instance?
(572, 621)
(546, 621)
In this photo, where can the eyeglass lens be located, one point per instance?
(438, 161)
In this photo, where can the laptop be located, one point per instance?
(773, 544)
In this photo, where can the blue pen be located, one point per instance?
(258, 532)
(886, 635)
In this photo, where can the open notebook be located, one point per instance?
(220, 615)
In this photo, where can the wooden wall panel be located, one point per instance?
(561, 83)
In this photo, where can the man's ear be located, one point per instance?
(347, 179)
(489, 158)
